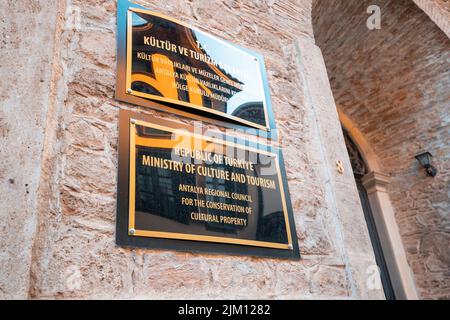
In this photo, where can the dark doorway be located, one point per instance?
(360, 170)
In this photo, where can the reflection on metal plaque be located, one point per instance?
(168, 61)
(187, 186)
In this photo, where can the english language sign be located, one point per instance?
(186, 186)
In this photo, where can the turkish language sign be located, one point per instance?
(171, 62)
(187, 186)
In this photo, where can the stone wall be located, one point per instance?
(27, 30)
(69, 244)
(394, 84)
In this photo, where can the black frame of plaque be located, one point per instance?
(270, 132)
(123, 238)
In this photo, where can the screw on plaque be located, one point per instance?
(133, 121)
(132, 231)
(291, 247)
(129, 91)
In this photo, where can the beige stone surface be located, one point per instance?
(27, 29)
(76, 228)
(66, 159)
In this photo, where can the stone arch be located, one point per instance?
(438, 11)
(391, 86)
(366, 150)
(375, 183)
